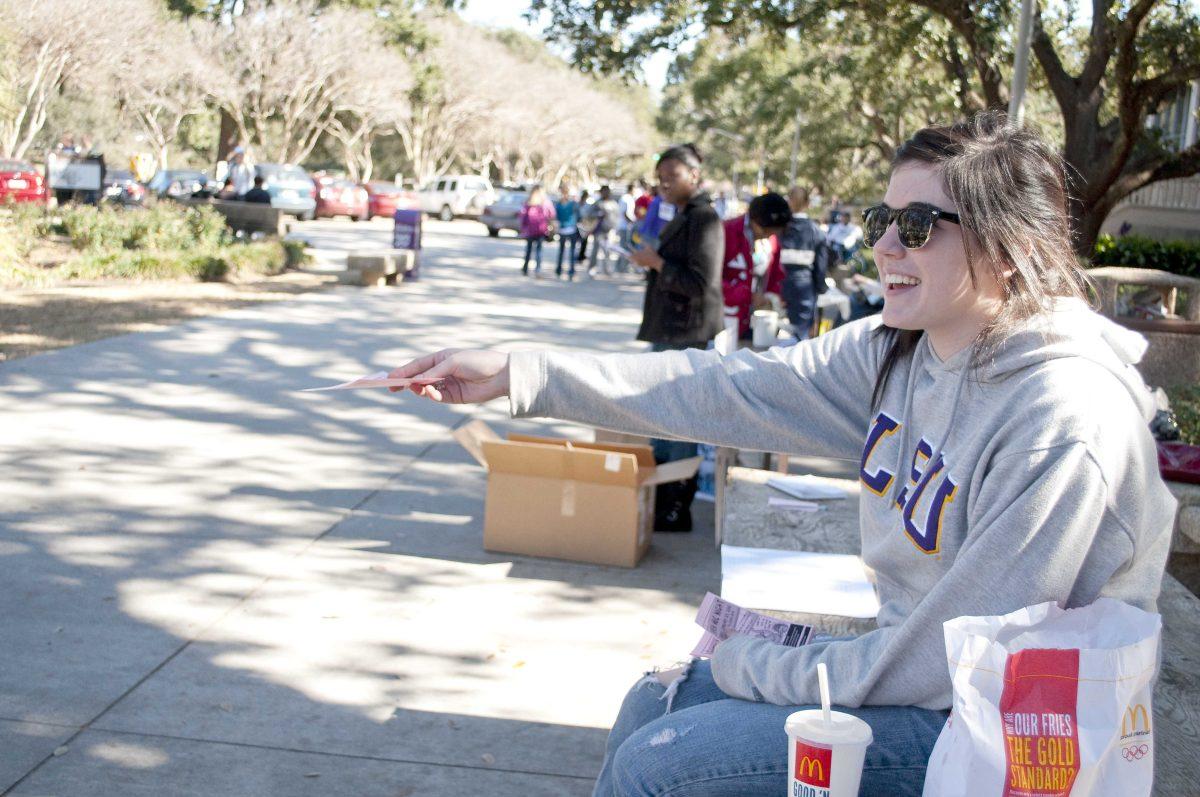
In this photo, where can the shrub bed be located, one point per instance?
(1135, 251)
(162, 242)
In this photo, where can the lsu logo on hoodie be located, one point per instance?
(923, 500)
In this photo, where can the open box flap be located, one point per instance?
(675, 471)
(526, 459)
(644, 454)
(556, 460)
(471, 436)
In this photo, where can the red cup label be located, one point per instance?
(814, 765)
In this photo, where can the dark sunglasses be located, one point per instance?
(913, 223)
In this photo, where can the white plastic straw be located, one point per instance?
(823, 680)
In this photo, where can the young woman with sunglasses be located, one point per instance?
(1006, 460)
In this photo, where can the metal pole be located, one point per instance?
(1016, 97)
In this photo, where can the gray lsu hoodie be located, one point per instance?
(1030, 478)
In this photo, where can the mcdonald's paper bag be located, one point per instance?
(1049, 702)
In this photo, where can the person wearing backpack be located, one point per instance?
(752, 268)
(536, 217)
(804, 254)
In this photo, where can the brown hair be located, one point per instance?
(1010, 190)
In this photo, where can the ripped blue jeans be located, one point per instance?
(693, 740)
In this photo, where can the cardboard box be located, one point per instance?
(620, 438)
(586, 502)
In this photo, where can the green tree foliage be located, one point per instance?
(852, 100)
(1106, 75)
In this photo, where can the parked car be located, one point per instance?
(121, 187)
(337, 196)
(177, 182)
(456, 195)
(503, 214)
(384, 199)
(291, 189)
(20, 182)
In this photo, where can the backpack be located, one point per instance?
(820, 268)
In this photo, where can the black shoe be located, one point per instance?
(677, 517)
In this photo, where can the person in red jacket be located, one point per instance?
(751, 265)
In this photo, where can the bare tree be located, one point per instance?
(55, 42)
(460, 79)
(171, 84)
(371, 104)
(282, 69)
(524, 111)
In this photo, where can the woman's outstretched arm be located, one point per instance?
(810, 398)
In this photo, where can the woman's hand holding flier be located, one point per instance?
(462, 377)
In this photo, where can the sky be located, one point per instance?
(510, 14)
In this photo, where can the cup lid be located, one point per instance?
(843, 728)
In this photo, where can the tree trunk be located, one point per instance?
(227, 137)
(1087, 232)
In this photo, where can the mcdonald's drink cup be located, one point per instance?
(825, 760)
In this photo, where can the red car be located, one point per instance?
(384, 199)
(20, 182)
(337, 196)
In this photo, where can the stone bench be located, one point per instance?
(1187, 521)
(247, 217)
(377, 268)
(748, 521)
(1173, 357)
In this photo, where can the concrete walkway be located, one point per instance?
(216, 585)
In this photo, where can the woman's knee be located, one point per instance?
(637, 761)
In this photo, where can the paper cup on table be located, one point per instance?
(764, 327)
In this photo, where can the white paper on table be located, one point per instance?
(806, 487)
(793, 504)
(379, 379)
(797, 581)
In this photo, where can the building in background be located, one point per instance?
(1171, 208)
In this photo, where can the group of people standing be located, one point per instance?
(611, 225)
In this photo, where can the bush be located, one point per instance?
(17, 239)
(262, 257)
(162, 227)
(207, 265)
(1185, 403)
(163, 242)
(1135, 251)
(296, 254)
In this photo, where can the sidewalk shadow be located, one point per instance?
(169, 486)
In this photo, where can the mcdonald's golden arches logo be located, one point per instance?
(810, 769)
(1136, 721)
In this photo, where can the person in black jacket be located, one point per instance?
(684, 305)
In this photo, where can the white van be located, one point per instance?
(456, 195)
